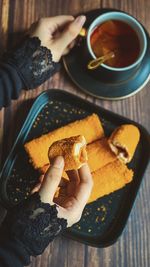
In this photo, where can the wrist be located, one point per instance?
(33, 62)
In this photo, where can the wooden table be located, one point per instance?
(133, 247)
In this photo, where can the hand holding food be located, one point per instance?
(98, 153)
(106, 156)
(75, 193)
(72, 149)
(37, 149)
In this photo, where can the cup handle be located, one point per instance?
(83, 32)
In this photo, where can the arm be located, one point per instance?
(10, 84)
(12, 253)
(28, 230)
(25, 68)
(30, 226)
(37, 58)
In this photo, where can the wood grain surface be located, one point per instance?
(133, 247)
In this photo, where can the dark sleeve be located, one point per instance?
(27, 230)
(10, 84)
(13, 254)
(26, 67)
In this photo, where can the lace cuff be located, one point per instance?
(32, 61)
(34, 224)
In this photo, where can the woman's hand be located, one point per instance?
(74, 193)
(57, 33)
(36, 58)
(35, 222)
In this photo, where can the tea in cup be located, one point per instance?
(121, 34)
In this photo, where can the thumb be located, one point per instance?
(51, 180)
(69, 34)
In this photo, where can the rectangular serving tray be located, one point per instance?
(102, 221)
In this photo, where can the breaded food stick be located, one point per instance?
(110, 178)
(99, 154)
(73, 150)
(123, 141)
(37, 149)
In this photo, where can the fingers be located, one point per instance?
(51, 180)
(63, 182)
(73, 176)
(73, 182)
(59, 21)
(85, 174)
(67, 36)
(85, 186)
(45, 28)
(69, 47)
(41, 178)
(36, 188)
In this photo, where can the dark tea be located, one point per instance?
(118, 37)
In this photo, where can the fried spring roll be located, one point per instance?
(110, 178)
(73, 150)
(123, 142)
(37, 149)
(99, 154)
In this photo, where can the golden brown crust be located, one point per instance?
(99, 154)
(110, 174)
(123, 141)
(72, 149)
(37, 149)
(110, 178)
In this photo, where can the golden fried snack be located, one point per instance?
(37, 149)
(73, 150)
(99, 154)
(123, 141)
(110, 178)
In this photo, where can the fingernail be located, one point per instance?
(80, 20)
(58, 162)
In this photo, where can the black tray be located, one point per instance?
(103, 220)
